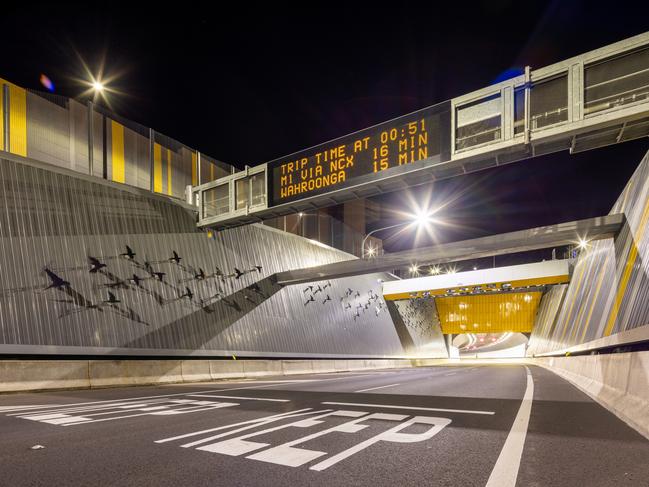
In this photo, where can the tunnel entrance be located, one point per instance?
(489, 345)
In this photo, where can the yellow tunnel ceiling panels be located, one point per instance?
(489, 313)
(483, 280)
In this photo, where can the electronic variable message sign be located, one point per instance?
(352, 159)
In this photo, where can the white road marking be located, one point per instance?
(240, 397)
(391, 435)
(240, 445)
(414, 408)
(259, 423)
(19, 408)
(505, 471)
(266, 418)
(374, 388)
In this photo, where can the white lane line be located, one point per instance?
(266, 418)
(414, 408)
(506, 469)
(106, 401)
(450, 373)
(374, 388)
(240, 397)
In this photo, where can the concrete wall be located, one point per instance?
(619, 381)
(26, 375)
(609, 290)
(56, 221)
(420, 333)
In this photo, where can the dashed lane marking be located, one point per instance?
(375, 388)
(413, 408)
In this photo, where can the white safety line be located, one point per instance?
(374, 388)
(18, 408)
(505, 471)
(414, 408)
(195, 433)
(240, 397)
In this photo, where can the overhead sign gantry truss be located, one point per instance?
(592, 100)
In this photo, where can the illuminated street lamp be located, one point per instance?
(420, 219)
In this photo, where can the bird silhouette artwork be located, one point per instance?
(187, 294)
(56, 282)
(175, 258)
(95, 264)
(348, 306)
(129, 254)
(318, 290)
(112, 299)
(358, 295)
(258, 267)
(308, 288)
(349, 291)
(328, 298)
(327, 285)
(357, 315)
(310, 300)
(200, 275)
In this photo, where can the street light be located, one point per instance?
(420, 219)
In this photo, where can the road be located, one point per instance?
(465, 425)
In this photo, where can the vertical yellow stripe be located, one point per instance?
(117, 151)
(580, 280)
(18, 120)
(600, 280)
(157, 168)
(194, 175)
(2, 118)
(211, 172)
(628, 269)
(169, 192)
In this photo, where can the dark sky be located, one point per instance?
(266, 81)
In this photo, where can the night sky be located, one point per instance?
(267, 81)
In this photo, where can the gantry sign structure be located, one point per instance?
(589, 101)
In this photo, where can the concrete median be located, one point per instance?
(619, 381)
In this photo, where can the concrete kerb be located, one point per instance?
(29, 375)
(619, 382)
(104, 373)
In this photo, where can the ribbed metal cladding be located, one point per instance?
(56, 221)
(422, 322)
(609, 290)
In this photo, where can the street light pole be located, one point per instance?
(378, 230)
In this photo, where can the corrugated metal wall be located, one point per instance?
(609, 290)
(57, 221)
(423, 327)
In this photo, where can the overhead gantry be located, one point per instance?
(585, 102)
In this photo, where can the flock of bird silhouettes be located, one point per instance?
(418, 313)
(346, 300)
(135, 281)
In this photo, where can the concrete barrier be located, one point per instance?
(29, 375)
(297, 367)
(105, 373)
(226, 369)
(618, 381)
(195, 370)
(26, 375)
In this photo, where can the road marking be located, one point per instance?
(374, 388)
(391, 435)
(413, 408)
(240, 397)
(505, 471)
(261, 423)
(266, 418)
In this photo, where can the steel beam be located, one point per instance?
(506, 243)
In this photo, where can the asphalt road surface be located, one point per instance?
(467, 425)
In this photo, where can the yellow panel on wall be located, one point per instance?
(17, 120)
(194, 173)
(2, 117)
(157, 168)
(488, 313)
(117, 151)
(169, 192)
